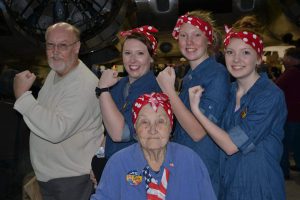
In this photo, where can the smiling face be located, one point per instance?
(153, 128)
(136, 59)
(62, 48)
(241, 59)
(193, 44)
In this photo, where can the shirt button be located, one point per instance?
(210, 107)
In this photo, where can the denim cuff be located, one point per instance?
(241, 139)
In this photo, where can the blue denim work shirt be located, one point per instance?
(256, 128)
(188, 177)
(214, 78)
(145, 84)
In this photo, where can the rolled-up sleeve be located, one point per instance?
(126, 134)
(260, 115)
(215, 97)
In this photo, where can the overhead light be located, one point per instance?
(165, 47)
(245, 5)
(58, 11)
(182, 59)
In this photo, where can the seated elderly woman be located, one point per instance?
(154, 168)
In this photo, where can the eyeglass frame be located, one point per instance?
(59, 46)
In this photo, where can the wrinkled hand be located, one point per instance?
(166, 79)
(93, 178)
(23, 82)
(108, 78)
(195, 94)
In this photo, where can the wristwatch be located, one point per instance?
(99, 91)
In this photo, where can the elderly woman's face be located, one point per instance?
(153, 128)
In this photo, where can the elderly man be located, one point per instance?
(65, 120)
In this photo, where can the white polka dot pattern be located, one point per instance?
(145, 30)
(249, 38)
(195, 21)
(155, 100)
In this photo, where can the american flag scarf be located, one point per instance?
(154, 190)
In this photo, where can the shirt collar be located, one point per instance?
(142, 81)
(202, 65)
(259, 83)
(139, 155)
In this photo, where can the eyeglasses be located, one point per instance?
(60, 46)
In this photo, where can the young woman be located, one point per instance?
(252, 127)
(116, 95)
(194, 32)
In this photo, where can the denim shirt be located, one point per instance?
(256, 128)
(146, 84)
(214, 78)
(188, 178)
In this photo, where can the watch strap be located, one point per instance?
(99, 91)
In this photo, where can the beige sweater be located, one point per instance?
(65, 123)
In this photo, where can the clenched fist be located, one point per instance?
(166, 80)
(23, 82)
(108, 78)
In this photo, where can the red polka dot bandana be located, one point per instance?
(145, 30)
(249, 38)
(195, 21)
(155, 100)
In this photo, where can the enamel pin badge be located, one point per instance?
(133, 178)
(244, 113)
